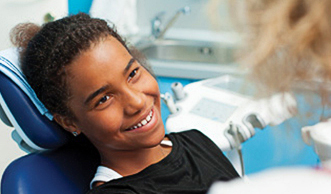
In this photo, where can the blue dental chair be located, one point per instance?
(56, 161)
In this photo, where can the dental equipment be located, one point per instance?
(156, 23)
(319, 137)
(178, 90)
(234, 132)
(225, 114)
(169, 101)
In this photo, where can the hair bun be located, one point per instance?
(22, 33)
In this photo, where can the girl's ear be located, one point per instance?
(67, 123)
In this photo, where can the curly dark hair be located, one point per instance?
(45, 52)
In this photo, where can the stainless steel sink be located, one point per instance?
(188, 51)
(189, 58)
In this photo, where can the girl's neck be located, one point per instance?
(131, 162)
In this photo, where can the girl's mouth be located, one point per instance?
(142, 122)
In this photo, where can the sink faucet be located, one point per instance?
(157, 31)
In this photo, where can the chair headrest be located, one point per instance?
(10, 66)
(26, 113)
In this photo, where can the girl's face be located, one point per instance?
(115, 101)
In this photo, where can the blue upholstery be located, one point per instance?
(45, 133)
(64, 164)
(65, 170)
(31, 123)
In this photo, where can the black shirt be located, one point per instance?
(194, 163)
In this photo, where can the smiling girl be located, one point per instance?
(94, 85)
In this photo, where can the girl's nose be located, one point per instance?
(133, 101)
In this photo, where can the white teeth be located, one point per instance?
(144, 121)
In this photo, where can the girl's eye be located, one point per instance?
(103, 100)
(133, 73)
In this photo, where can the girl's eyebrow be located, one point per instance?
(95, 94)
(128, 66)
(102, 89)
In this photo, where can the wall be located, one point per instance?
(197, 19)
(13, 12)
(147, 9)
